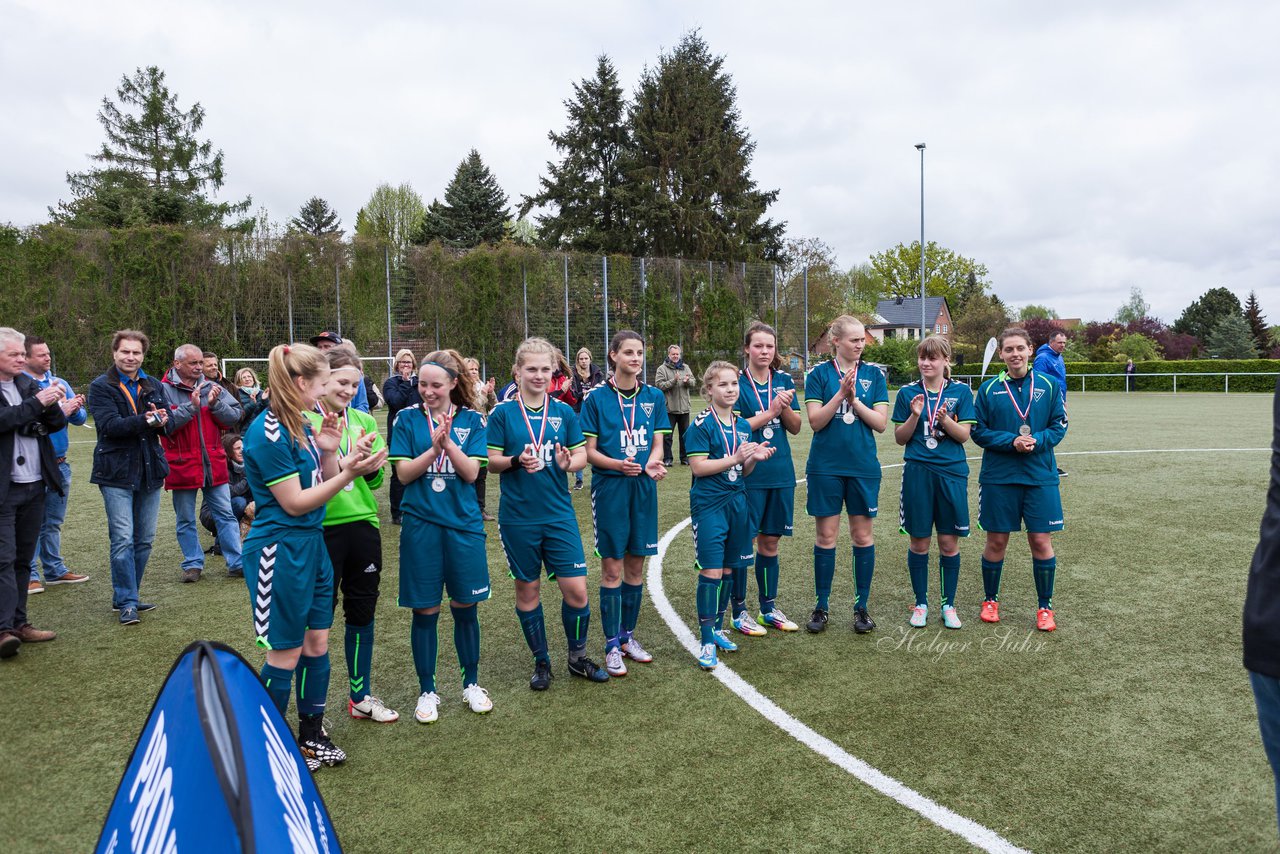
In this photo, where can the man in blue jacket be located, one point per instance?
(1049, 362)
(49, 548)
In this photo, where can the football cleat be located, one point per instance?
(775, 619)
(1045, 621)
(478, 699)
(588, 669)
(950, 618)
(990, 612)
(919, 616)
(541, 679)
(634, 651)
(817, 621)
(372, 709)
(862, 622)
(707, 657)
(613, 662)
(428, 709)
(721, 639)
(749, 627)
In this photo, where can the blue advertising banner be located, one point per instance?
(216, 768)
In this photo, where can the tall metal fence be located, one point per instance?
(239, 296)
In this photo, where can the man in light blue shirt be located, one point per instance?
(49, 548)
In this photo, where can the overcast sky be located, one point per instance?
(1076, 149)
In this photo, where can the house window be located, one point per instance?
(944, 329)
(936, 329)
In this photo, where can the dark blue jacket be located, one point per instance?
(1262, 599)
(1051, 364)
(128, 454)
(14, 417)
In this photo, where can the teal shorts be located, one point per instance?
(555, 544)
(624, 513)
(434, 558)
(290, 582)
(828, 493)
(1003, 507)
(722, 537)
(931, 501)
(771, 511)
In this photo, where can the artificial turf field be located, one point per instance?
(1131, 728)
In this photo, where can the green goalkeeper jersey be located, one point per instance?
(355, 503)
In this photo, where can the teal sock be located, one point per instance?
(824, 570)
(918, 569)
(535, 632)
(864, 566)
(576, 622)
(313, 684)
(1044, 571)
(358, 643)
(632, 594)
(722, 598)
(708, 596)
(991, 570)
(950, 578)
(611, 616)
(466, 640)
(739, 593)
(277, 681)
(425, 641)
(766, 581)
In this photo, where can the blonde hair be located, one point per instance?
(844, 323)
(577, 369)
(713, 370)
(402, 354)
(251, 372)
(464, 392)
(535, 347)
(762, 328)
(285, 363)
(934, 347)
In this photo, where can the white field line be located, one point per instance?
(969, 830)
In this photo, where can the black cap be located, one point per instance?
(331, 337)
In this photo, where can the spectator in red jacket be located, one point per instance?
(199, 410)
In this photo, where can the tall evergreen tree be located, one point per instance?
(153, 169)
(316, 218)
(1257, 324)
(474, 209)
(586, 189)
(1231, 339)
(1200, 318)
(690, 189)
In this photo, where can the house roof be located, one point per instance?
(905, 311)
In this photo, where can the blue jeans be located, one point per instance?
(1266, 694)
(131, 526)
(184, 507)
(49, 548)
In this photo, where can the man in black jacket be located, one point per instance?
(1262, 613)
(28, 414)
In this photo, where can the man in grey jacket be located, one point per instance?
(675, 379)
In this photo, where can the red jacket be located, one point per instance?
(193, 442)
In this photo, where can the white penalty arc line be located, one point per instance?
(969, 830)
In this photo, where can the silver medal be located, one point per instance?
(733, 475)
(931, 443)
(1024, 430)
(539, 464)
(349, 486)
(849, 418)
(631, 450)
(767, 433)
(437, 484)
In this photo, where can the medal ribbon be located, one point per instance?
(1030, 379)
(760, 403)
(344, 444)
(542, 428)
(730, 450)
(437, 465)
(932, 415)
(628, 430)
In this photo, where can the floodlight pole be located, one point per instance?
(923, 319)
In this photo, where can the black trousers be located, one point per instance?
(21, 515)
(397, 492)
(679, 424)
(355, 550)
(480, 479)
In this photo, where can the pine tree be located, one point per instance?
(1203, 315)
(1257, 324)
(586, 190)
(316, 218)
(154, 169)
(690, 189)
(1231, 339)
(474, 209)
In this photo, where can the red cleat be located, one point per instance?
(1044, 620)
(990, 612)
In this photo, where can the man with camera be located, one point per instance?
(28, 414)
(129, 467)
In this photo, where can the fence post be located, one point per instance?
(386, 262)
(566, 305)
(1226, 383)
(524, 284)
(1175, 383)
(775, 296)
(288, 282)
(806, 317)
(644, 322)
(605, 266)
(337, 289)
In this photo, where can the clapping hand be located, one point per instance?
(563, 457)
(655, 468)
(329, 438)
(762, 451)
(441, 435)
(917, 404)
(51, 395)
(160, 416)
(72, 405)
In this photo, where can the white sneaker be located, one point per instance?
(950, 618)
(613, 663)
(634, 651)
(372, 709)
(919, 616)
(477, 698)
(428, 710)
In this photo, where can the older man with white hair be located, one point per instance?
(28, 414)
(199, 411)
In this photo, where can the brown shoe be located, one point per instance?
(190, 576)
(69, 577)
(487, 516)
(10, 643)
(35, 586)
(30, 634)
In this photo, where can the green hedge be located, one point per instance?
(1154, 375)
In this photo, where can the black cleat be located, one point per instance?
(317, 747)
(862, 622)
(817, 621)
(541, 679)
(588, 669)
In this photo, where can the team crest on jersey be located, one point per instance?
(648, 409)
(462, 433)
(866, 384)
(744, 437)
(1037, 393)
(555, 422)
